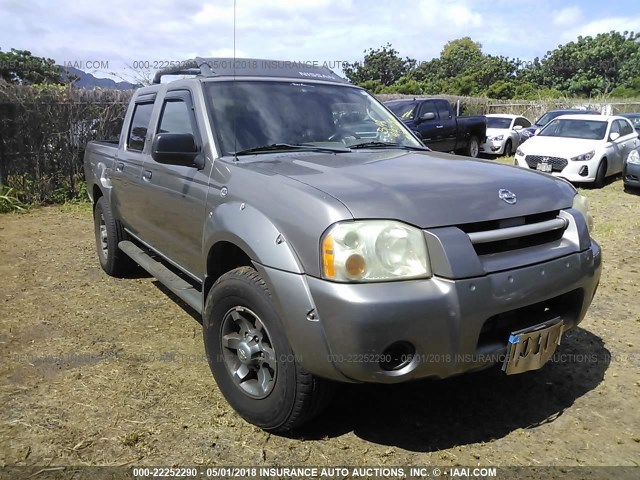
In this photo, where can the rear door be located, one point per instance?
(127, 194)
(628, 139)
(176, 194)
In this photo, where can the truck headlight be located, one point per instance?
(584, 157)
(633, 157)
(374, 250)
(581, 204)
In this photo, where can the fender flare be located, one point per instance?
(253, 232)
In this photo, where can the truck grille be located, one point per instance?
(557, 163)
(497, 236)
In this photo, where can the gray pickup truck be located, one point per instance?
(316, 255)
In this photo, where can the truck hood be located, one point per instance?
(425, 189)
(559, 147)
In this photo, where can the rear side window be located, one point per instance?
(175, 118)
(139, 126)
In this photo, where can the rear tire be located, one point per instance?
(601, 174)
(473, 148)
(251, 359)
(109, 232)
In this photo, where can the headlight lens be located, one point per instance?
(374, 250)
(498, 138)
(584, 157)
(519, 152)
(633, 157)
(581, 204)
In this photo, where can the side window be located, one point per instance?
(615, 127)
(522, 122)
(625, 128)
(428, 107)
(175, 117)
(444, 109)
(139, 126)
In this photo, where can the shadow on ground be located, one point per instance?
(431, 415)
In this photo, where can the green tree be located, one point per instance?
(20, 66)
(383, 64)
(590, 65)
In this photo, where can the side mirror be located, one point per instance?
(427, 116)
(517, 128)
(175, 149)
(614, 136)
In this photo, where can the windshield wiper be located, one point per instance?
(388, 145)
(283, 147)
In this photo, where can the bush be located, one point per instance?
(45, 129)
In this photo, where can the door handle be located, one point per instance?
(119, 166)
(439, 126)
(146, 175)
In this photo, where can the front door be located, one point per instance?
(176, 195)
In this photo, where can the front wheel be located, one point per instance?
(601, 174)
(507, 149)
(251, 359)
(473, 148)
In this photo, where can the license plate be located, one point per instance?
(530, 348)
(544, 167)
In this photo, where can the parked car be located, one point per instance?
(547, 117)
(437, 125)
(634, 118)
(631, 172)
(316, 257)
(503, 133)
(580, 148)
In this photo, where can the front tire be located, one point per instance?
(601, 174)
(507, 149)
(251, 359)
(109, 232)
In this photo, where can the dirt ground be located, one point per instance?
(103, 371)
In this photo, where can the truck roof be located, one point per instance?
(250, 67)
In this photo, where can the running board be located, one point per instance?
(169, 279)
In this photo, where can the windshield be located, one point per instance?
(498, 122)
(403, 110)
(253, 114)
(547, 117)
(570, 128)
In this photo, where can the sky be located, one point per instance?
(132, 39)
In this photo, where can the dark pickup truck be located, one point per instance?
(435, 122)
(318, 253)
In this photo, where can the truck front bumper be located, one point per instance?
(444, 327)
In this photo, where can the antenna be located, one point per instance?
(233, 88)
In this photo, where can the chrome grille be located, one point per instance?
(514, 233)
(557, 163)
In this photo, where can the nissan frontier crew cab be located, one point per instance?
(316, 255)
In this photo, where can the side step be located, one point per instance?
(173, 282)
